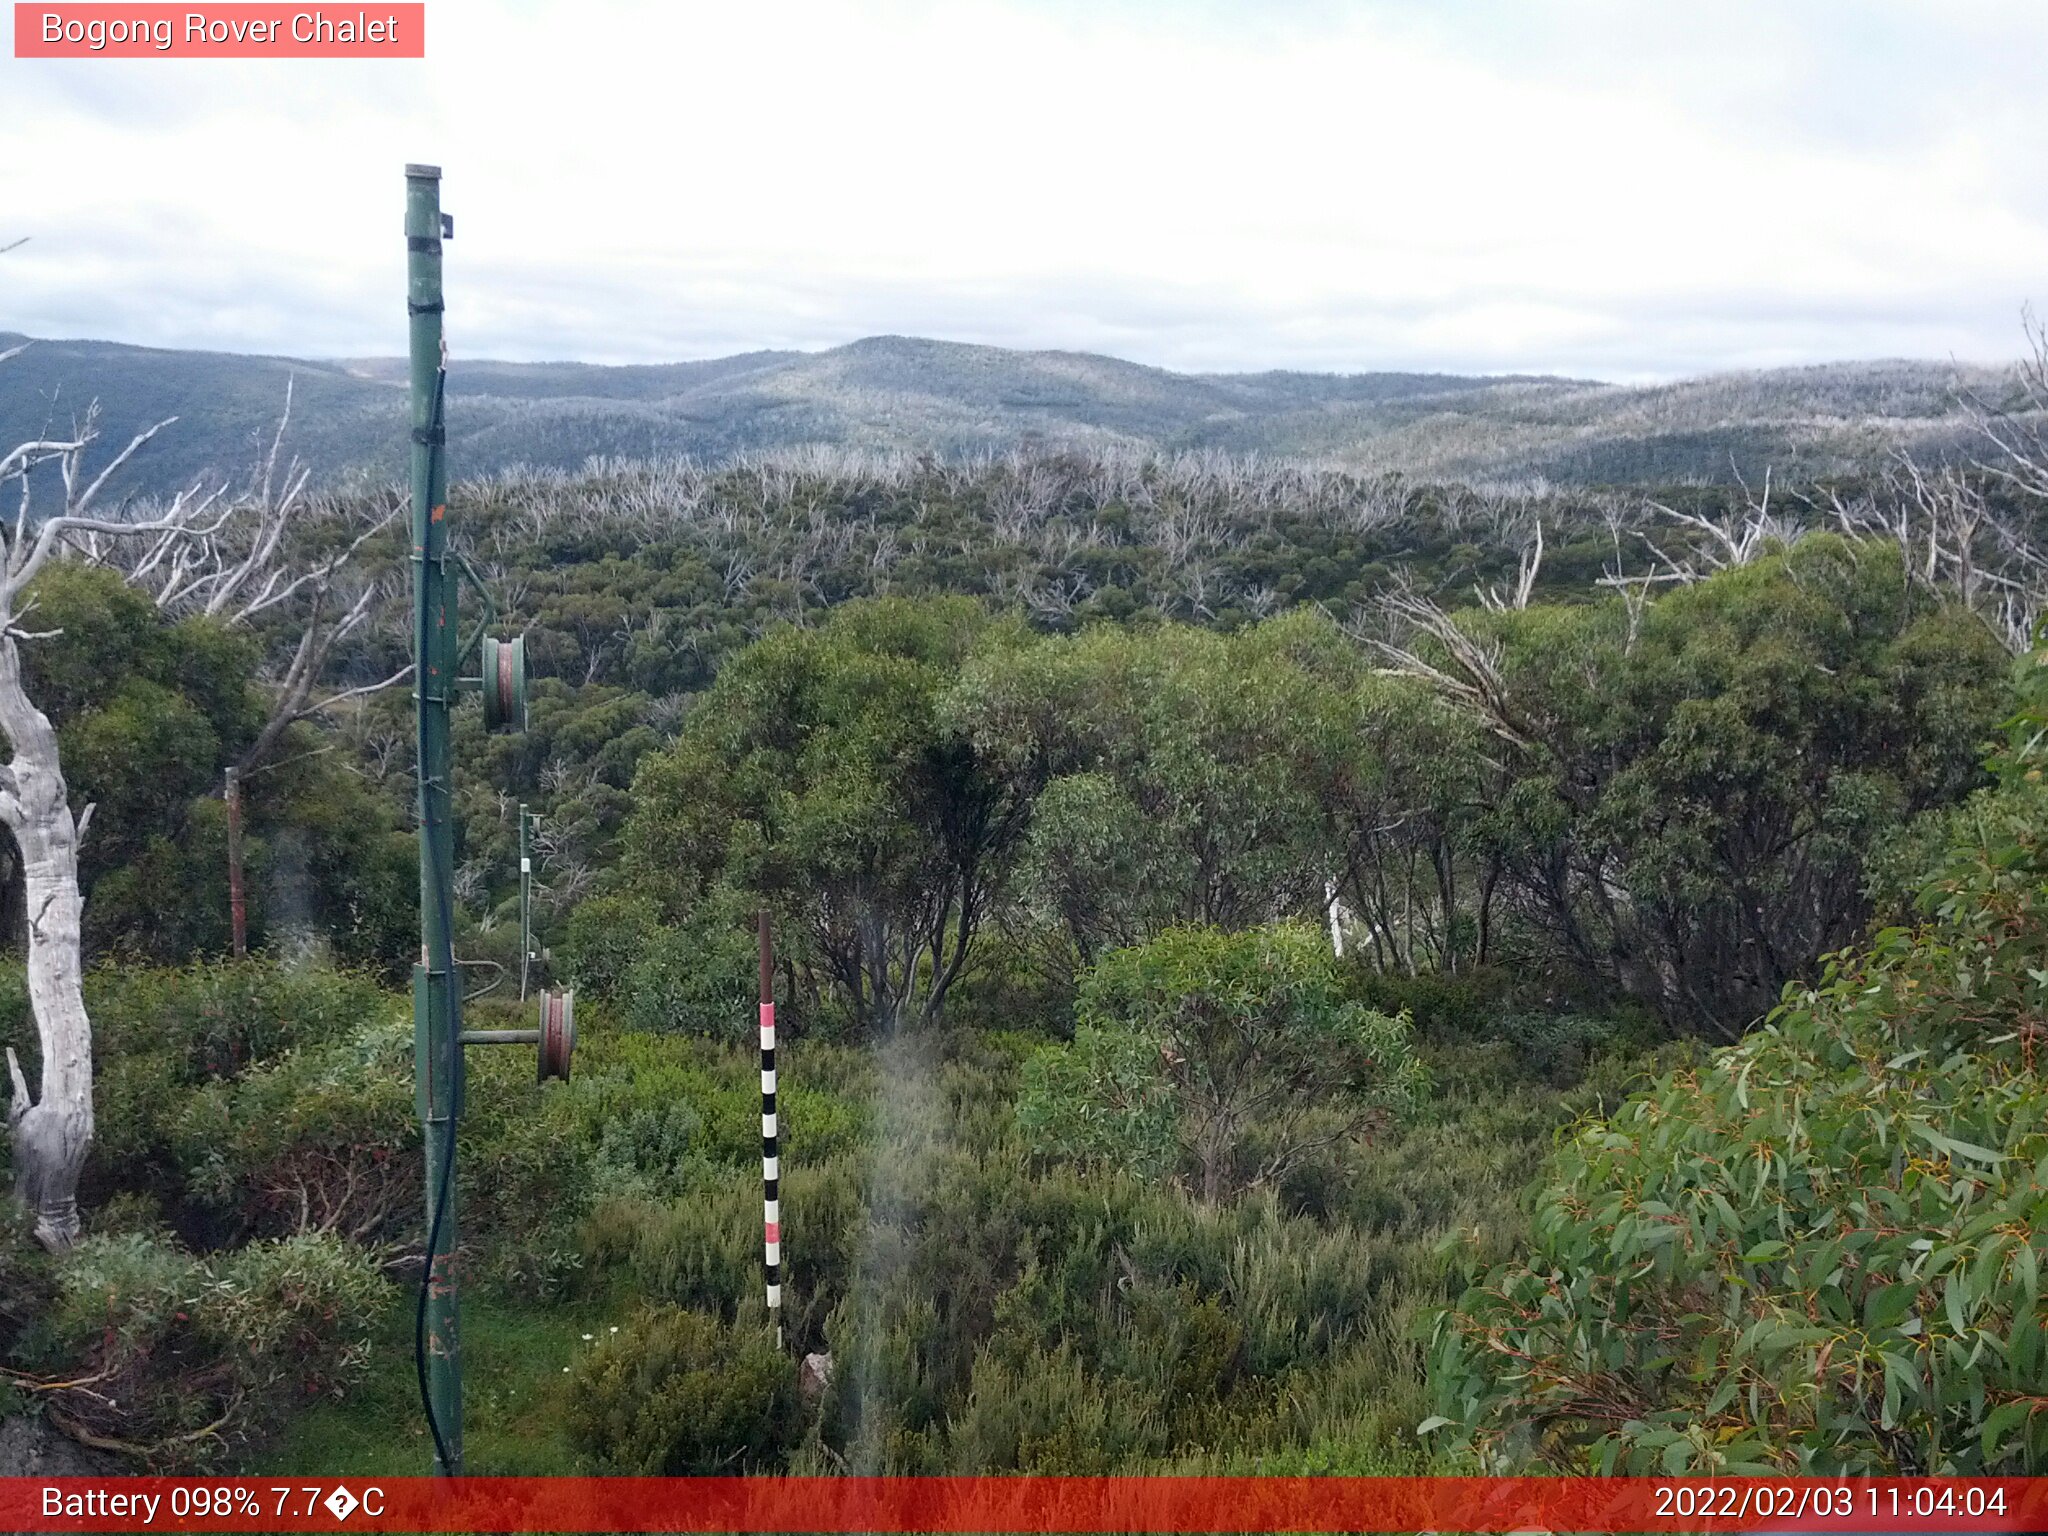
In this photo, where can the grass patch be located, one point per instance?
(514, 1386)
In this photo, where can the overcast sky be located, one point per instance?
(1607, 188)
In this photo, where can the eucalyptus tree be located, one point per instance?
(817, 778)
(1171, 791)
(1691, 791)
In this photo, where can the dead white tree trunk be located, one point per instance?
(50, 1130)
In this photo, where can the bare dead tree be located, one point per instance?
(244, 566)
(1953, 542)
(1429, 645)
(1531, 562)
(1734, 539)
(240, 562)
(1057, 600)
(51, 1129)
(1635, 591)
(2016, 430)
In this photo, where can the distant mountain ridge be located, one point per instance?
(915, 394)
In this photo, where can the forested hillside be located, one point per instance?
(1205, 889)
(903, 394)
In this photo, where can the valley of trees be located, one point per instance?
(1281, 971)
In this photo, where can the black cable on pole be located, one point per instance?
(447, 959)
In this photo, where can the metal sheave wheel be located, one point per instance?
(557, 1032)
(504, 683)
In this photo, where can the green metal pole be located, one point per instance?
(436, 999)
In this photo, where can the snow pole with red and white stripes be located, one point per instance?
(771, 1162)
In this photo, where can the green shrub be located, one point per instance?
(525, 1168)
(1218, 1058)
(1051, 1415)
(27, 1275)
(1012, 987)
(216, 1019)
(702, 1249)
(937, 1260)
(894, 1371)
(1817, 1254)
(1821, 1251)
(1564, 1049)
(606, 934)
(1442, 1005)
(677, 1392)
(648, 1103)
(323, 1138)
(299, 1314)
(695, 980)
(159, 1034)
(185, 1354)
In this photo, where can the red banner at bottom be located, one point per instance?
(996, 1504)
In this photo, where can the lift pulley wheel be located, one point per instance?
(504, 683)
(557, 1032)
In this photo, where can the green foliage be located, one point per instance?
(189, 1353)
(146, 715)
(322, 1138)
(1002, 819)
(333, 866)
(699, 978)
(650, 1102)
(1442, 1006)
(1820, 1251)
(515, 1347)
(1726, 764)
(27, 1278)
(946, 1271)
(160, 1036)
(606, 934)
(925, 1248)
(1169, 793)
(1217, 1057)
(301, 1309)
(701, 1248)
(1676, 807)
(149, 715)
(816, 779)
(676, 1393)
(1052, 1415)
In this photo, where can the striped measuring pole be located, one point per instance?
(771, 1161)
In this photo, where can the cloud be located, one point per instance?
(1586, 186)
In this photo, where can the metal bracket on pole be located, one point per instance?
(490, 614)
